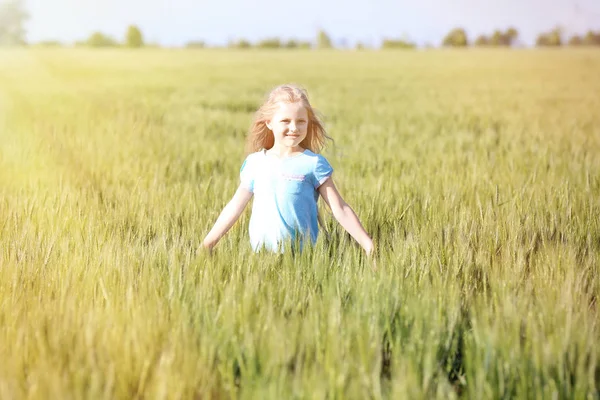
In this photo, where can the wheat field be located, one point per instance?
(476, 172)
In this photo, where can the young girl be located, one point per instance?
(286, 176)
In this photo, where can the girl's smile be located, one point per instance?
(289, 125)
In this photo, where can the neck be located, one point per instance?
(282, 151)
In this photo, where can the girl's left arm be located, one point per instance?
(344, 214)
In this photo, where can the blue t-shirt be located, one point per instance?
(285, 197)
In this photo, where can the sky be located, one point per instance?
(216, 22)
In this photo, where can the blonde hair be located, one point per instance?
(260, 136)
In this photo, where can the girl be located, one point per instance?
(286, 176)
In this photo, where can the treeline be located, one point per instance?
(554, 38)
(455, 38)
(133, 38)
(13, 17)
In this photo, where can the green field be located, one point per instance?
(477, 173)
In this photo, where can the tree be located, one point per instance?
(397, 44)
(239, 44)
(550, 39)
(456, 38)
(12, 23)
(592, 39)
(498, 38)
(98, 39)
(482, 40)
(575, 41)
(511, 34)
(134, 37)
(323, 40)
(270, 43)
(291, 44)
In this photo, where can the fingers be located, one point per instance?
(205, 248)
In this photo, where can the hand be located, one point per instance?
(371, 254)
(206, 246)
(369, 248)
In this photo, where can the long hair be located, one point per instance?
(261, 137)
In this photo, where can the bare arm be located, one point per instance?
(228, 217)
(344, 214)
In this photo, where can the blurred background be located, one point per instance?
(311, 23)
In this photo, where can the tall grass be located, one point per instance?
(476, 172)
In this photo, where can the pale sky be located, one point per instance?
(175, 22)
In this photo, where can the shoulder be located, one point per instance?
(320, 168)
(250, 163)
(254, 157)
(315, 158)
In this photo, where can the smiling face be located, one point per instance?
(289, 125)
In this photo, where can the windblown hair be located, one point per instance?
(260, 136)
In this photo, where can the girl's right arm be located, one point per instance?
(228, 217)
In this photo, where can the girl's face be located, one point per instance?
(289, 125)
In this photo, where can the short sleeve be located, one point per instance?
(323, 171)
(247, 174)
